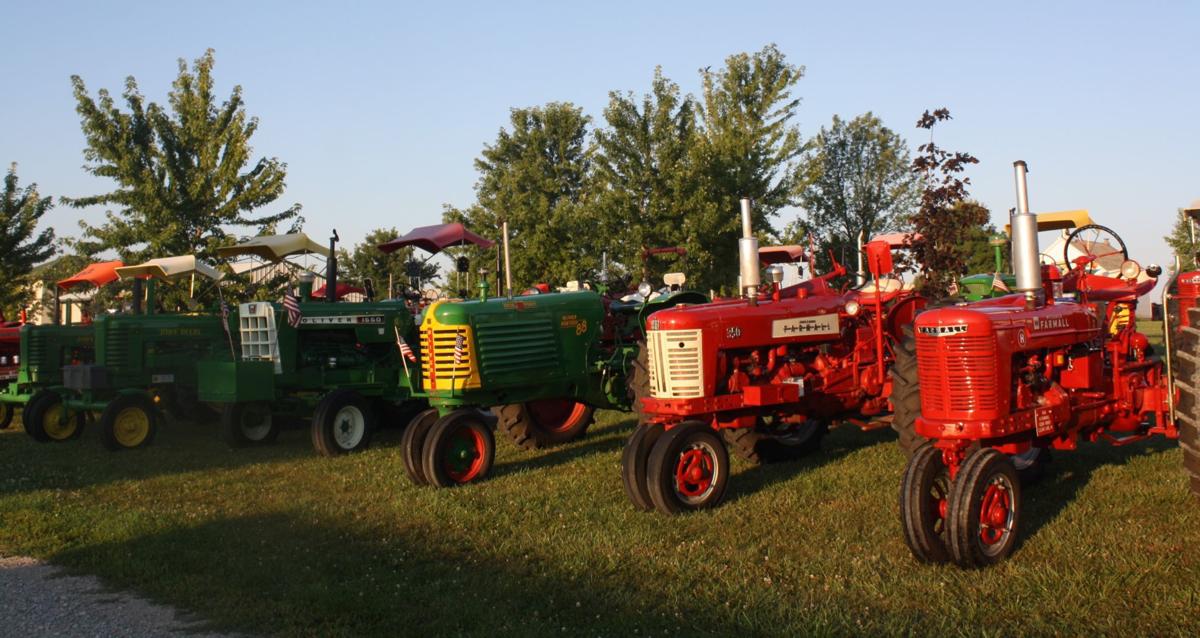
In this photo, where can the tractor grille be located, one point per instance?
(439, 367)
(515, 347)
(116, 347)
(675, 364)
(35, 357)
(958, 375)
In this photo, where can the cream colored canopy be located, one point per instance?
(171, 269)
(275, 247)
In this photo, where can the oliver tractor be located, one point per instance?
(764, 374)
(46, 348)
(143, 360)
(993, 385)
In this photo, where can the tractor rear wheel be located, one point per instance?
(459, 449)
(924, 494)
(412, 443)
(342, 423)
(638, 380)
(7, 412)
(545, 422)
(984, 511)
(129, 421)
(1186, 361)
(688, 469)
(48, 421)
(776, 443)
(248, 424)
(634, 460)
(906, 394)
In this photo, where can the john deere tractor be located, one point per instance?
(144, 360)
(45, 348)
(336, 363)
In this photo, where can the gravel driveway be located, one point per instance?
(38, 600)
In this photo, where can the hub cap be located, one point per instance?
(349, 426)
(131, 427)
(463, 455)
(256, 423)
(996, 515)
(57, 424)
(696, 472)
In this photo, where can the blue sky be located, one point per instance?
(379, 109)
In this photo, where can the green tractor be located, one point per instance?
(143, 361)
(339, 364)
(985, 286)
(44, 349)
(542, 363)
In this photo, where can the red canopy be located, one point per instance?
(898, 240)
(781, 254)
(97, 274)
(436, 238)
(342, 290)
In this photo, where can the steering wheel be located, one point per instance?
(1095, 242)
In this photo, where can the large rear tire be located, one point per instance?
(545, 422)
(1186, 362)
(639, 381)
(773, 444)
(906, 394)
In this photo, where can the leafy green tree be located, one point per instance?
(183, 173)
(21, 246)
(536, 176)
(646, 175)
(946, 216)
(366, 261)
(749, 147)
(857, 181)
(1181, 243)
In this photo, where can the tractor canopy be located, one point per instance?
(98, 274)
(436, 238)
(340, 290)
(171, 269)
(275, 247)
(1059, 220)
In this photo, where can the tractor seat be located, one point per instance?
(888, 285)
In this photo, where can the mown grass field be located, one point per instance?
(278, 541)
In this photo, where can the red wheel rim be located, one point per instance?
(462, 456)
(556, 415)
(695, 472)
(995, 514)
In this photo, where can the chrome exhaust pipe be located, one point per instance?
(1026, 265)
(748, 256)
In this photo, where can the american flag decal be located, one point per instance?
(460, 343)
(292, 306)
(998, 283)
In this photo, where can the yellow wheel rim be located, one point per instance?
(57, 423)
(131, 427)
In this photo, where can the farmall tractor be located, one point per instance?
(764, 374)
(999, 382)
(10, 356)
(338, 364)
(145, 360)
(46, 348)
(542, 364)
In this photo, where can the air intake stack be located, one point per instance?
(748, 256)
(1026, 265)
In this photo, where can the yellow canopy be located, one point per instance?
(275, 247)
(170, 269)
(1060, 220)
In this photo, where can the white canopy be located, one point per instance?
(171, 269)
(275, 247)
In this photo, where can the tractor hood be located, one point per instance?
(1009, 319)
(462, 312)
(738, 322)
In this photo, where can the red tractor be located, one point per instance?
(10, 357)
(987, 388)
(764, 373)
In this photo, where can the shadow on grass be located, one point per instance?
(600, 439)
(287, 574)
(1068, 473)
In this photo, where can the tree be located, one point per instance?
(946, 217)
(857, 182)
(749, 148)
(981, 254)
(366, 261)
(1181, 243)
(535, 176)
(180, 171)
(646, 174)
(20, 247)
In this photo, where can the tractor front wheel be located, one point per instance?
(7, 412)
(776, 443)
(412, 444)
(459, 449)
(634, 460)
(545, 422)
(248, 424)
(688, 469)
(129, 421)
(342, 423)
(924, 495)
(48, 420)
(984, 511)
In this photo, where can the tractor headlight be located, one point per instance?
(1130, 269)
(644, 289)
(852, 307)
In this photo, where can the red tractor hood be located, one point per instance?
(1036, 327)
(737, 322)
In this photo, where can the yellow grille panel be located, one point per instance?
(440, 371)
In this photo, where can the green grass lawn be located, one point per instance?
(279, 541)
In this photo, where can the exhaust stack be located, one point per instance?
(748, 256)
(1026, 265)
